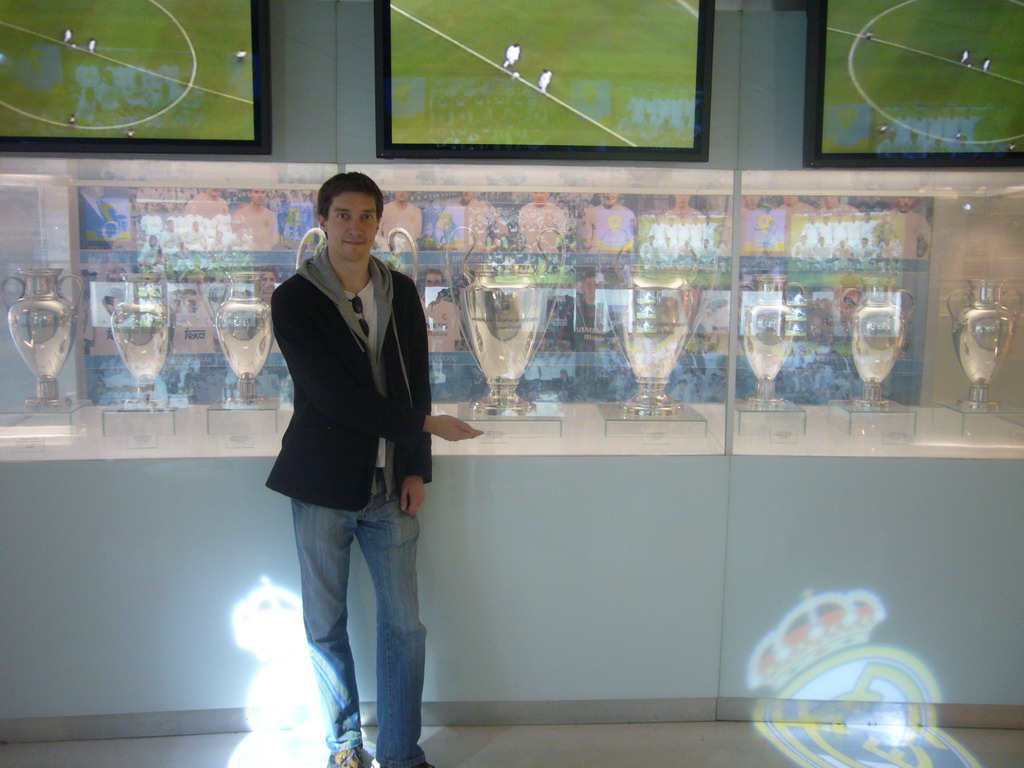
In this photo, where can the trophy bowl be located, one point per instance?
(504, 310)
(767, 341)
(245, 334)
(141, 327)
(42, 323)
(879, 327)
(983, 331)
(658, 307)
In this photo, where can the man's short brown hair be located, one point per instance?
(353, 181)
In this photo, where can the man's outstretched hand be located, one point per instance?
(450, 428)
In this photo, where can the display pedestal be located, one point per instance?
(42, 422)
(893, 423)
(544, 421)
(1002, 423)
(782, 421)
(230, 419)
(688, 422)
(242, 426)
(143, 427)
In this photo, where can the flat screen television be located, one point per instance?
(914, 83)
(134, 76)
(546, 79)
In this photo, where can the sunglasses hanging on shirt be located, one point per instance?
(357, 305)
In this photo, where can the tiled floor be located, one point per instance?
(683, 745)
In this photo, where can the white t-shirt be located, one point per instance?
(370, 313)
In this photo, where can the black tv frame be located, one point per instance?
(814, 112)
(259, 145)
(388, 148)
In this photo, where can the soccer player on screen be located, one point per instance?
(545, 80)
(512, 55)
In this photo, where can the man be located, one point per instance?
(512, 55)
(540, 224)
(400, 213)
(478, 216)
(354, 461)
(256, 221)
(544, 81)
(609, 227)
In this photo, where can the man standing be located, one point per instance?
(354, 461)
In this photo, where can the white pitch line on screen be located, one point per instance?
(954, 62)
(111, 60)
(500, 68)
(688, 8)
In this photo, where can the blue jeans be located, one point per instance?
(387, 537)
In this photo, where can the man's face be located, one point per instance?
(609, 199)
(589, 287)
(433, 280)
(466, 197)
(401, 197)
(268, 282)
(259, 196)
(682, 201)
(540, 198)
(904, 204)
(351, 225)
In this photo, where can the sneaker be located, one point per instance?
(350, 758)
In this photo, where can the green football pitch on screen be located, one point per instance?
(176, 69)
(622, 74)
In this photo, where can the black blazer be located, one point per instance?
(329, 450)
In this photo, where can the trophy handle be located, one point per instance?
(846, 292)
(1014, 306)
(450, 240)
(956, 301)
(393, 237)
(79, 284)
(561, 250)
(905, 296)
(314, 233)
(3, 289)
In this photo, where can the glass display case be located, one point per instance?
(571, 310)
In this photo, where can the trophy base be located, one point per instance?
(683, 421)
(998, 422)
(658, 406)
(972, 406)
(541, 420)
(234, 418)
(57, 405)
(490, 405)
(778, 419)
(893, 422)
(149, 422)
(35, 421)
(774, 405)
(874, 406)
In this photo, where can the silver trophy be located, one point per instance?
(504, 308)
(399, 243)
(245, 334)
(767, 340)
(879, 327)
(983, 332)
(653, 326)
(141, 326)
(42, 323)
